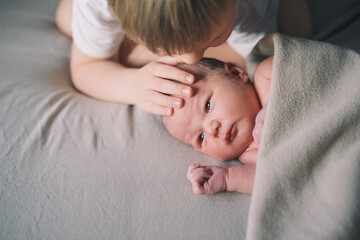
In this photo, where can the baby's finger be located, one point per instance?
(197, 188)
(211, 168)
(191, 169)
(173, 73)
(199, 174)
(193, 166)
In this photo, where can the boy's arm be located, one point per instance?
(108, 80)
(262, 79)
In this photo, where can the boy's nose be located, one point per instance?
(193, 57)
(211, 127)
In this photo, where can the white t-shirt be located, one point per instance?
(254, 19)
(96, 30)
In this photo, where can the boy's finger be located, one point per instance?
(173, 73)
(157, 109)
(163, 100)
(173, 88)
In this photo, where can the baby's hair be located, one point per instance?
(211, 63)
(212, 66)
(205, 67)
(172, 26)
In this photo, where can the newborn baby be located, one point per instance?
(219, 120)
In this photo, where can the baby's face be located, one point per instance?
(218, 120)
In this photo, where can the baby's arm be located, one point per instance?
(262, 79)
(108, 80)
(241, 178)
(213, 179)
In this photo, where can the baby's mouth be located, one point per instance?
(231, 134)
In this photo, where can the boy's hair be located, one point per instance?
(173, 26)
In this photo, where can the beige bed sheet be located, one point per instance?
(72, 167)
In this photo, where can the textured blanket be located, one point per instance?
(307, 183)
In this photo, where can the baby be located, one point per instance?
(223, 120)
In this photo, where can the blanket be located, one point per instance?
(308, 171)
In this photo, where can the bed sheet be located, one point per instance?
(72, 167)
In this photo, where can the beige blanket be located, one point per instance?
(307, 183)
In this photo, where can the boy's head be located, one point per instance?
(218, 120)
(176, 27)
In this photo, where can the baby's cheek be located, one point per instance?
(222, 153)
(218, 150)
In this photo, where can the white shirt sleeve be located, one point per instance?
(95, 29)
(254, 20)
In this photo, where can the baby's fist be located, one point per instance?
(207, 179)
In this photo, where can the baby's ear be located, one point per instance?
(237, 71)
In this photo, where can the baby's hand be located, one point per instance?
(207, 179)
(155, 82)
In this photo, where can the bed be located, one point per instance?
(72, 167)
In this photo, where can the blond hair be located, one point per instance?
(172, 26)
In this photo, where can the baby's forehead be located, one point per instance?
(178, 125)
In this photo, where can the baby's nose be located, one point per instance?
(212, 127)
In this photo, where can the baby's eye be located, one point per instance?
(201, 137)
(207, 106)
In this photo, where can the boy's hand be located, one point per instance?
(207, 179)
(156, 81)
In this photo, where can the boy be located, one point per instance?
(183, 28)
(219, 120)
